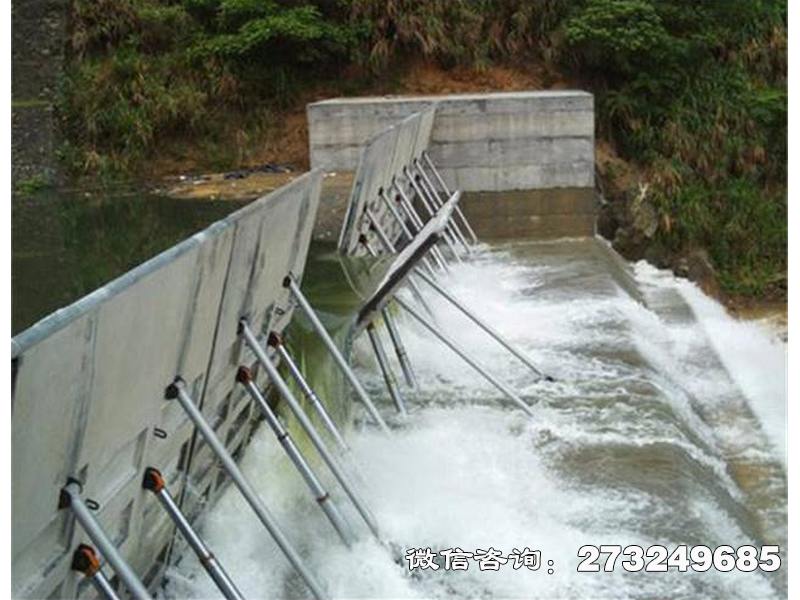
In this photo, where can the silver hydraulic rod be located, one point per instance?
(103, 586)
(423, 197)
(444, 338)
(362, 239)
(86, 561)
(430, 206)
(426, 157)
(482, 324)
(382, 235)
(406, 231)
(154, 481)
(378, 229)
(276, 342)
(399, 348)
(434, 192)
(437, 202)
(71, 499)
(305, 423)
(321, 495)
(416, 222)
(397, 217)
(388, 375)
(178, 390)
(305, 306)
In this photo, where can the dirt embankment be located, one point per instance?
(286, 142)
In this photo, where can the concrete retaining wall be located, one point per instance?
(380, 164)
(89, 381)
(480, 142)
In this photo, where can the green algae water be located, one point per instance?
(67, 243)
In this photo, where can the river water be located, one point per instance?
(666, 425)
(67, 243)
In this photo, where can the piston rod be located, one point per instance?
(427, 186)
(444, 338)
(178, 390)
(426, 157)
(388, 375)
(321, 496)
(71, 499)
(275, 341)
(154, 481)
(399, 348)
(86, 561)
(404, 226)
(334, 351)
(302, 418)
(423, 198)
(417, 224)
(482, 324)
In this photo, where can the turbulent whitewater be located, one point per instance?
(666, 425)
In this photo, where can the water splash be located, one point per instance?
(629, 446)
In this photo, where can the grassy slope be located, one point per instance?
(690, 99)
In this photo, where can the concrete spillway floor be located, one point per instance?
(665, 426)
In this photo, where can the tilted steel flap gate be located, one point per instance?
(88, 388)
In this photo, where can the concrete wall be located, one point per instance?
(37, 49)
(481, 142)
(381, 164)
(88, 388)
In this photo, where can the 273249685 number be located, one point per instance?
(655, 559)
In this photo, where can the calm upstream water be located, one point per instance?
(666, 425)
(65, 244)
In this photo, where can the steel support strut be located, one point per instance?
(388, 375)
(436, 201)
(423, 198)
(426, 157)
(417, 224)
(275, 341)
(86, 561)
(399, 348)
(154, 482)
(70, 498)
(302, 418)
(482, 324)
(404, 226)
(305, 306)
(322, 497)
(507, 391)
(177, 390)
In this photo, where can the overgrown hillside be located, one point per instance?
(691, 98)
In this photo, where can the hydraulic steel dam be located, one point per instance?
(464, 393)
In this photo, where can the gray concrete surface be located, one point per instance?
(481, 142)
(88, 387)
(532, 214)
(381, 163)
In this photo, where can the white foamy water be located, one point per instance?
(631, 445)
(754, 356)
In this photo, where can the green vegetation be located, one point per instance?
(30, 185)
(695, 93)
(692, 95)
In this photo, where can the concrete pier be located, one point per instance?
(524, 160)
(480, 142)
